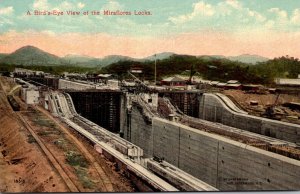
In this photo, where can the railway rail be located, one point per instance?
(51, 157)
(105, 181)
(124, 151)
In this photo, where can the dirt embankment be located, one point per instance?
(265, 100)
(23, 167)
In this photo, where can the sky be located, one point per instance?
(269, 28)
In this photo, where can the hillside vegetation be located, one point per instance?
(214, 68)
(258, 69)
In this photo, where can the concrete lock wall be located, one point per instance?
(223, 163)
(220, 162)
(65, 84)
(139, 131)
(213, 108)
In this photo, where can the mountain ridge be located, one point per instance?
(30, 55)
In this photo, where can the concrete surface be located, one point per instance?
(218, 161)
(213, 108)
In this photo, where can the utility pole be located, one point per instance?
(155, 70)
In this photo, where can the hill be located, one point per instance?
(30, 55)
(210, 68)
(158, 56)
(114, 59)
(250, 59)
(2, 55)
(81, 60)
(77, 59)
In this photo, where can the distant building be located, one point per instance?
(233, 82)
(252, 87)
(136, 70)
(195, 79)
(74, 75)
(173, 81)
(287, 82)
(214, 83)
(219, 84)
(105, 76)
(20, 72)
(233, 86)
(29, 93)
(113, 83)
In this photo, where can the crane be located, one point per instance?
(192, 73)
(270, 110)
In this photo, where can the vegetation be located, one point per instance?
(76, 159)
(83, 177)
(283, 67)
(214, 69)
(211, 68)
(30, 139)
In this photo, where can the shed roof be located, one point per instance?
(233, 85)
(214, 82)
(295, 82)
(221, 84)
(104, 75)
(173, 79)
(233, 82)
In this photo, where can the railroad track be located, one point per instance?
(72, 187)
(105, 181)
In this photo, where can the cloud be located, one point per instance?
(295, 19)
(199, 9)
(41, 4)
(234, 3)
(112, 5)
(80, 5)
(282, 14)
(6, 10)
(48, 32)
(259, 17)
(202, 8)
(5, 16)
(66, 5)
(5, 21)
(226, 15)
(270, 24)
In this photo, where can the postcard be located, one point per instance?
(149, 95)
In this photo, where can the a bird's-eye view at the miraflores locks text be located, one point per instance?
(149, 96)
